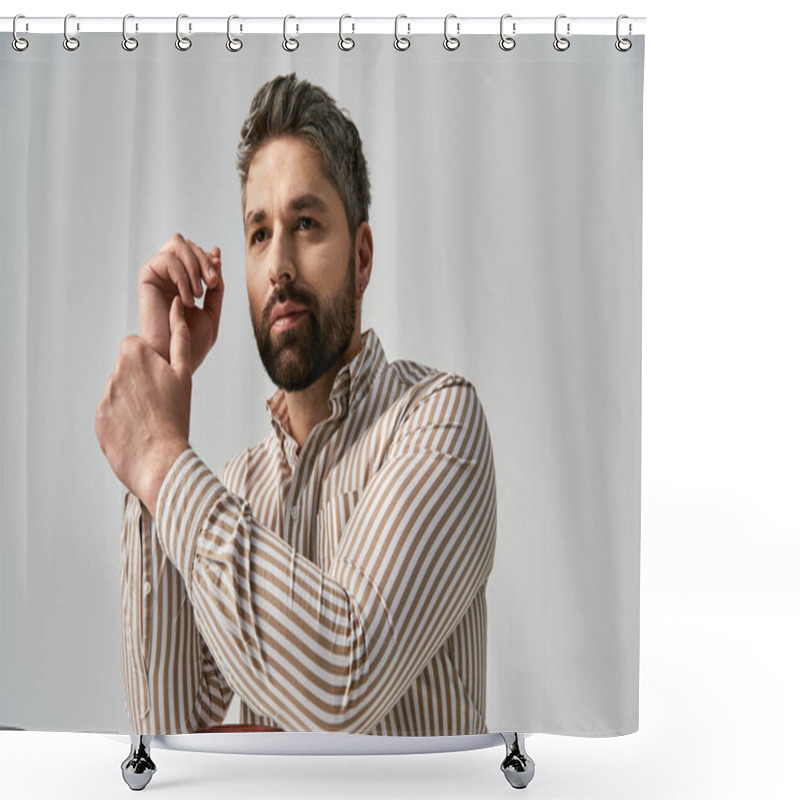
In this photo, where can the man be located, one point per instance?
(334, 576)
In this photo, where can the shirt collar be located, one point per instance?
(351, 384)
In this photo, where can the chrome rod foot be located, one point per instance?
(138, 768)
(517, 766)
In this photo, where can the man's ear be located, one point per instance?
(363, 257)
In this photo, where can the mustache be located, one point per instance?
(295, 294)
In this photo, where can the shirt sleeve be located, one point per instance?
(172, 684)
(335, 651)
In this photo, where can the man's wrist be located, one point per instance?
(159, 466)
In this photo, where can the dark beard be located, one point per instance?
(296, 358)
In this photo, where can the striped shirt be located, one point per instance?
(335, 587)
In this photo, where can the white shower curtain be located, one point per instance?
(506, 215)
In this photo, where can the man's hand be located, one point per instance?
(180, 268)
(142, 420)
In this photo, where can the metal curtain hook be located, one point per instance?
(70, 42)
(233, 44)
(181, 42)
(289, 44)
(451, 42)
(400, 42)
(129, 43)
(561, 43)
(507, 42)
(623, 45)
(18, 43)
(345, 42)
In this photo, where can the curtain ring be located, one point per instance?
(507, 42)
(345, 42)
(233, 44)
(623, 45)
(181, 42)
(400, 42)
(451, 42)
(129, 43)
(18, 43)
(561, 43)
(289, 44)
(70, 42)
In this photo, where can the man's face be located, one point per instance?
(300, 264)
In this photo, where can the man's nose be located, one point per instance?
(281, 258)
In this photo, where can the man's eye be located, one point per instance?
(305, 223)
(259, 236)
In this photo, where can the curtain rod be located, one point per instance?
(350, 24)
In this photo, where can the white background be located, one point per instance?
(720, 443)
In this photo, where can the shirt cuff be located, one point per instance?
(187, 495)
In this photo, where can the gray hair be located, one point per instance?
(286, 106)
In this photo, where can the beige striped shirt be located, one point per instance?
(337, 587)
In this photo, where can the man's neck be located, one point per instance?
(309, 406)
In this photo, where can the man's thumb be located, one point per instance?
(180, 342)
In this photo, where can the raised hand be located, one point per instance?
(181, 268)
(142, 420)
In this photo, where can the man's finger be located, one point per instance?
(167, 273)
(208, 263)
(184, 251)
(212, 302)
(180, 341)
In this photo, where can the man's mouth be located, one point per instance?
(288, 321)
(286, 315)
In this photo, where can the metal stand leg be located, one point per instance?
(518, 766)
(138, 768)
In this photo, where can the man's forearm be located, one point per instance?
(168, 689)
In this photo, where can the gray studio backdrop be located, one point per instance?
(507, 223)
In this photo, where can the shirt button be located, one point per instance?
(147, 588)
(295, 512)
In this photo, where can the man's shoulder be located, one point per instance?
(439, 413)
(417, 377)
(420, 383)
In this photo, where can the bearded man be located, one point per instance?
(333, 576)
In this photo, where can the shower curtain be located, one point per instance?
(506, 219)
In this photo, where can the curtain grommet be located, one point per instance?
(183, 43)
(561, 43)
(18, 43)
(346, 43)
(507, 42)
(401, 43)
(70, 43)
(129, 43)
(233, 44)
(289, 44)
(451, 42)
